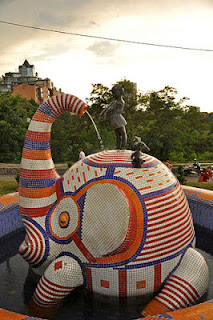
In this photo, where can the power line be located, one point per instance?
(106, 38)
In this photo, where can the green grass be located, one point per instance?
(8, 186)
(203, 185)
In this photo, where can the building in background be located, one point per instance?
(27, 83)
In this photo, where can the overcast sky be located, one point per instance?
(73, 63)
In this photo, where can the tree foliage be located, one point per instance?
(14, 113)
(172, 129)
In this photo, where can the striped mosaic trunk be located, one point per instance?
(38, 174)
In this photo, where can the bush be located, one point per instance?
(69, 164)
(181, 176)
(176, 156)
(192, 157)
(17, 177)
(207, 155)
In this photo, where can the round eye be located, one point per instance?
(64, 219)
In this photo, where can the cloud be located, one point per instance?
(103, 48)
(6, 2)
(63, 15)
(177, 22)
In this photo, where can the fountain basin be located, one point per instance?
(12, 233)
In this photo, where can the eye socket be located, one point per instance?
(64, 219)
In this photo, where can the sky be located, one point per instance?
(74, 62)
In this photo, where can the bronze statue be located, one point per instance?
(118, 122)
(137, 160)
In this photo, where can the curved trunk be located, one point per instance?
(38, 175)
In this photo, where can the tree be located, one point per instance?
(14, 112)
(162, 121)
(196, 128)
(101, 97)
(167, 125)
(130, 111)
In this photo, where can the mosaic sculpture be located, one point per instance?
(114, 228)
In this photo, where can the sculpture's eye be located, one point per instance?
(64, 219)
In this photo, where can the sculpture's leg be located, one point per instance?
(62, 276)
(184, 287)
(123, 137)
(118, 138)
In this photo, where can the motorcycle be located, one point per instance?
(192, 169)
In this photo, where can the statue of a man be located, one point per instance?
(118, 122)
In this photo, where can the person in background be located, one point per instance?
(168, 164)
(196, 165)
(204, 176)
(209, 170)
(81, 154)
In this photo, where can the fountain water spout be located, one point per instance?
(98, 134)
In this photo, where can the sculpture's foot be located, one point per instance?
(184, 287)
(48, 312)
(62, 276)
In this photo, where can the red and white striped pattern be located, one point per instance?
(65, 102)
(177, 293)
(184, 287)
(38, 164)
(60, 278)
(36, 244)
(170, 227)
(48, 292)
(111, 157)
(116, 157)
